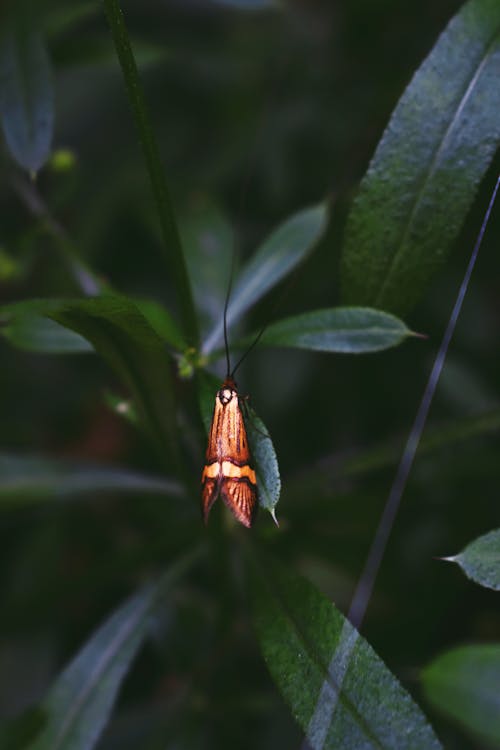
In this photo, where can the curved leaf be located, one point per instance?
(25, 479)
(480, 560)
(124, 338)
(465, 684)
(122, 335)
(30, 332)
(287, 246)
(80, 702)
(349, 330)
(339, 690)
(161, 321)
(26, 96)
(423, 177)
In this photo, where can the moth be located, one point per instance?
(228, 469)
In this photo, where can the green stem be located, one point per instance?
(172, 249)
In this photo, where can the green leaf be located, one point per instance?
(339, 690)
(261, 445)
(465, 684)
(287, 246)
(208, 242)
(123, 337)
(26, 96)
(25, 329)
(349, 330)
(160, 319)
(80, 702)
(480, 560)
(266, 463)
(423, 177)
(120, 333)
(28, 479)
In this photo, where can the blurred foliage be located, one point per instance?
(258, 113)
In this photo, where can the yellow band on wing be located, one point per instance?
(229, 470)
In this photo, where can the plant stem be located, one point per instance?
(88, 283)
(172, 248)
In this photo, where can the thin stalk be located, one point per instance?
(85, 279)
(172, 248)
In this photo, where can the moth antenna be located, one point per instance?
(247, 352)
(226, 305)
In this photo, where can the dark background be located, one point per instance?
(259, 114)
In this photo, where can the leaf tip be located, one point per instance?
(452, 558)
(418, 335)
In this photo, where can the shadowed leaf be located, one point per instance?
(465, 685)
(423, 177)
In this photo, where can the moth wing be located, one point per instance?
(233, 440)
(210, 483)
(240, 497)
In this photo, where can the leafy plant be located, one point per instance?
(116, 275)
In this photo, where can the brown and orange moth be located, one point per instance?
(228, 467)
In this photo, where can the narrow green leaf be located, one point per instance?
(339, 690)
(123, 337)
(120, 333)
(465, 684)
(480, 560)
(349, 330)
(423, 177)
(28, 479)
(31, 332)
(287, 246)
(266, 463)
(172, 248)
(208, 242)
(160, 319)
(26, 96)
(261, 445)
(80, 702)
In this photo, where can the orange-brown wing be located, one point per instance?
(240, 496)
(228, 464)
(228, 436)
(210, 484)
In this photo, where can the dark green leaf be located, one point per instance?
(266, 463)
(350, 330)
(422, 180)
(31, 332)
(160, 319)
(124, 338)
(120, 333)
(480, 560)
(27, 479)
(208, 242)
(79, 704)
(16, 734)
(340, 692)
(287, 246)
(465, 684)
(26, 97)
